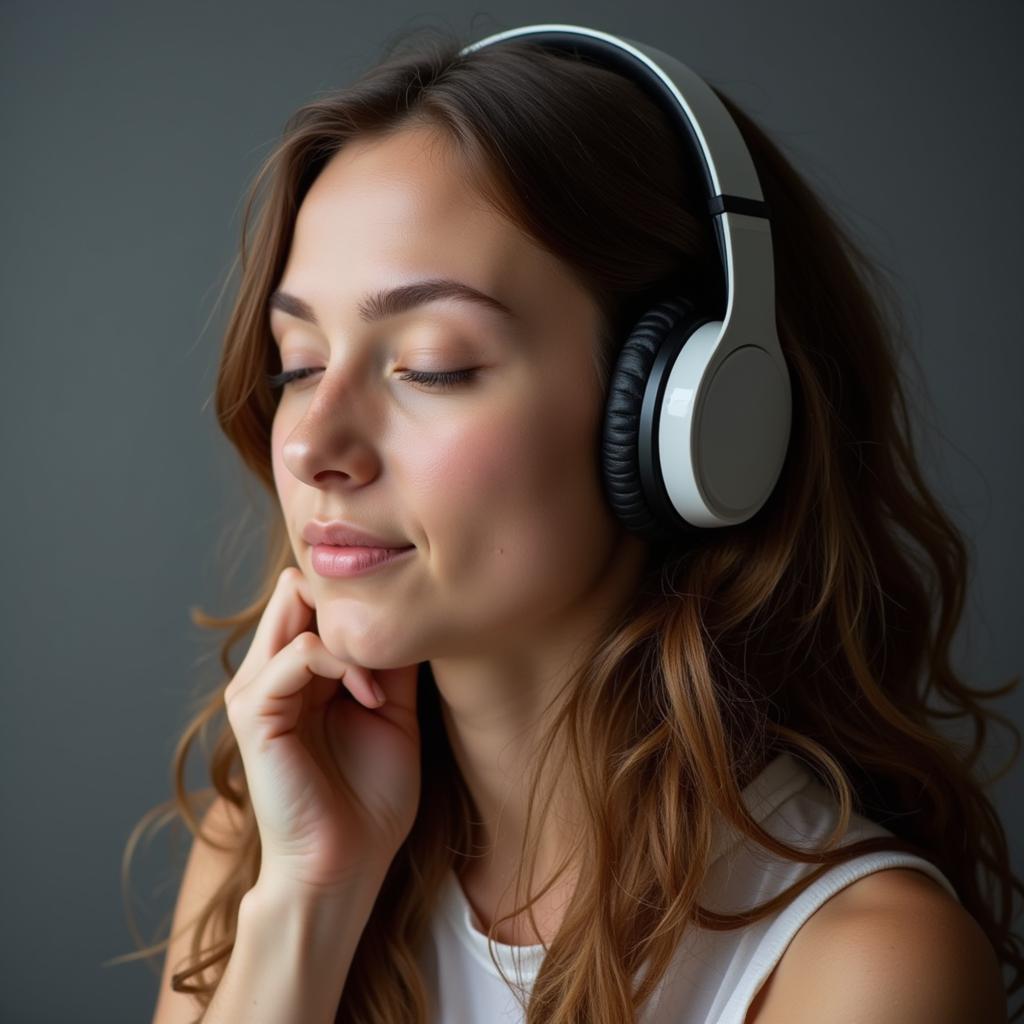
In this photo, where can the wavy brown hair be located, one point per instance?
(843, 593)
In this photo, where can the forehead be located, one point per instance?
(383, 211)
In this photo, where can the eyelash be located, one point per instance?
(443, 381)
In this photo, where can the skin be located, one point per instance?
(891, 948)
(520, 565)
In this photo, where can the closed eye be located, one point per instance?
(442, 380)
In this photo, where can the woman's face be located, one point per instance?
(496, 480)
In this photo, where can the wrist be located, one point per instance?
(292, 953)
(274, 898)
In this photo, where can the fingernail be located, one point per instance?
(381, 696)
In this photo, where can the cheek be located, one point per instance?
(276, 442)
(513, 496)
(284, 480)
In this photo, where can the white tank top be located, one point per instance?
(714, 976)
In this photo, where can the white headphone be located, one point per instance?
(698, 413)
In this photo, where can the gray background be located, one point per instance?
(130, 133)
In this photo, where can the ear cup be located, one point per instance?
(636, 508)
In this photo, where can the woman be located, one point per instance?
(611, 774)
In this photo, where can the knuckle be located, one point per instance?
(237, 681)
(233, 694)
(306, 643)
(231, 706)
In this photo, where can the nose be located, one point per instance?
(331, 430)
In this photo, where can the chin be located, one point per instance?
(368, 649)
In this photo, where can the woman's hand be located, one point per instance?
(334, 781)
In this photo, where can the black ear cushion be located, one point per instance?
(619, 443)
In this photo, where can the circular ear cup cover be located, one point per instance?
(620, 464)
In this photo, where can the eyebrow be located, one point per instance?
(388, 302)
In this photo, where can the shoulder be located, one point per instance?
(891, 948)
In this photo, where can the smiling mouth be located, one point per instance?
(332, 560)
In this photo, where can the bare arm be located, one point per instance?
(291, 957)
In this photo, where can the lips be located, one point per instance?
(354, 561)
(337, 533)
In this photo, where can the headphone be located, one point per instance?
(698, 412)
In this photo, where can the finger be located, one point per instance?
(271, 702)
(287, 614)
